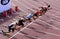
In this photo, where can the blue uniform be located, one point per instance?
(29, 16)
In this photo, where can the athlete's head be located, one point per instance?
(48, 5)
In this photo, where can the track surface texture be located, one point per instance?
(44, 27)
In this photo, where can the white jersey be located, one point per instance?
(14, 23)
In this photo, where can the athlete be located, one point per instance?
(11, 27)
(20, 22)
(29, 16)
(45, 8)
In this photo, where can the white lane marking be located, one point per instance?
(31, 4)
(46, 32)
(22, 29)
(50, 25)
(52, 15)
(51, 34)
(23, 4)
(30, 36)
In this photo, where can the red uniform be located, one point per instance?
(38, 12)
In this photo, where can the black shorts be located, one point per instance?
(28, 19)
(21, 24)
(12, 29)
(35, 15)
